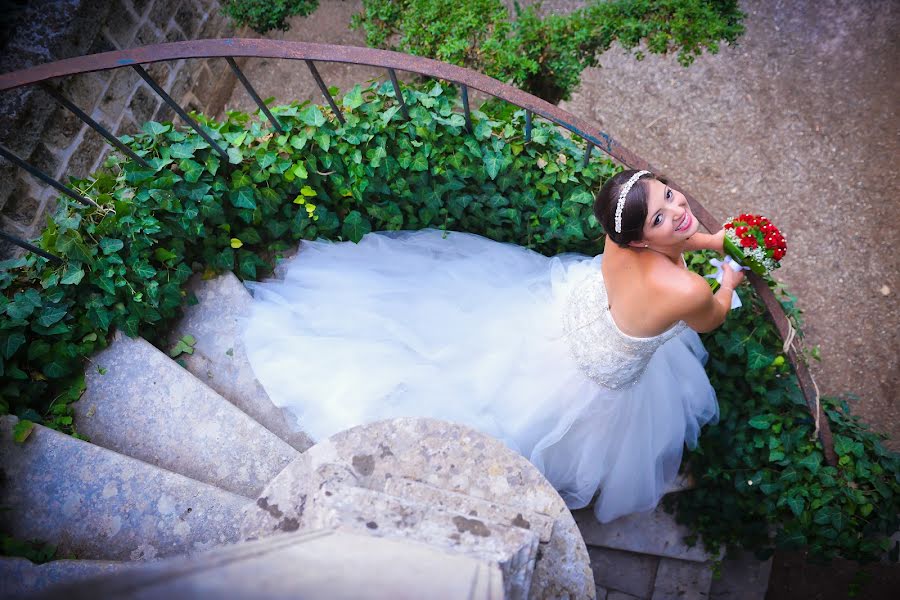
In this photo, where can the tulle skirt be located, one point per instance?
(458, 327)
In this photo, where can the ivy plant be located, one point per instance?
(762, 478)
(545, 54)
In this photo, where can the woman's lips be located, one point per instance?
(685, 222)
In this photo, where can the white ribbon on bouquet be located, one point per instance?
(720, 273)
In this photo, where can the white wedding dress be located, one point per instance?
(458, 327)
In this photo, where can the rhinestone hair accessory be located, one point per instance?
(620, 204)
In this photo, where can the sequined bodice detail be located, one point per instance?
(605, 354)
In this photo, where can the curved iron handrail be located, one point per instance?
(466, 78)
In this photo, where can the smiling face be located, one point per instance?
(669, 219)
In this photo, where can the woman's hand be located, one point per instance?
(731, 278)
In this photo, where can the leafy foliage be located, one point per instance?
(265, 15)
(545, 55)
(126, 265)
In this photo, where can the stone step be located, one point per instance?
(655, 533)
(219, 359)
(140, 403)
(22, 578)
(315, 565)
(744, 577)
(442, 455)
(451, 501)
(512, 549)
(93, 503)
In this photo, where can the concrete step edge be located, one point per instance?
(219, 359)
(94, 503)
(144, 405)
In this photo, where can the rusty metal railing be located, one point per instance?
(229, 49)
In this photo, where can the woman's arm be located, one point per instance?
(701, 309)
(707, 241)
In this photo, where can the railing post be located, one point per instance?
(262, 106)
(93, 124)
(587, 154)
(398, 93)
(325, 92)
(30, 247)
(527, 125)
(465, 100)
(7, 154)
(174, 106)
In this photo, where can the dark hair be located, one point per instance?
(633, 214)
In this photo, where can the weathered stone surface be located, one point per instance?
(617, 595)
(654, 532)
(682, 580)
(148, 407)
(320, 565)
(97, 504)
(743, 578)
(443, 455)
(507, 514)
(220, 360)
(22, 577)
(512, 549)
(624, 571)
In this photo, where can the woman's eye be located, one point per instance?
(668, 194)
(657, 220)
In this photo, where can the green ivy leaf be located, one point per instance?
(110, 245)
(311, 115)
(50, 315)
(796, 504)
(353, 99)
(760, 422)
(243, 198)
(811, 462)
(11, 343)
(22, 430)
(355, 226)
(492, 164)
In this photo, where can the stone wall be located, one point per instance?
(53, 139)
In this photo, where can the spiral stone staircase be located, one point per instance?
(190, 467)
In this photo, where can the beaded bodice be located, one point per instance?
(605, 354)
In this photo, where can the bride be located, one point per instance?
(589, 367)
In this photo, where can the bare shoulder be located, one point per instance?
(682, 293)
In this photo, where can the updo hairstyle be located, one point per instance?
(633, 214)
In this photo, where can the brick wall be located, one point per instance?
(53, 139)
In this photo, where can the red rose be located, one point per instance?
(771, 242)
(741, 230)
(729, 226)
(778, 254)
(749, 242)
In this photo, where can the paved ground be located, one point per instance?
(798, 122)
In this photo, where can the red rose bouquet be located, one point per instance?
(754, 241)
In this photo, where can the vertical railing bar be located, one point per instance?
(30, 247)
(398, 93)
(174, 106)
(587, 154)
(527, 125)
(6, 153)
(253, 94)
(94, 124)
(325, 92)
(465, 100)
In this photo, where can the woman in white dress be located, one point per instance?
(588, 366)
